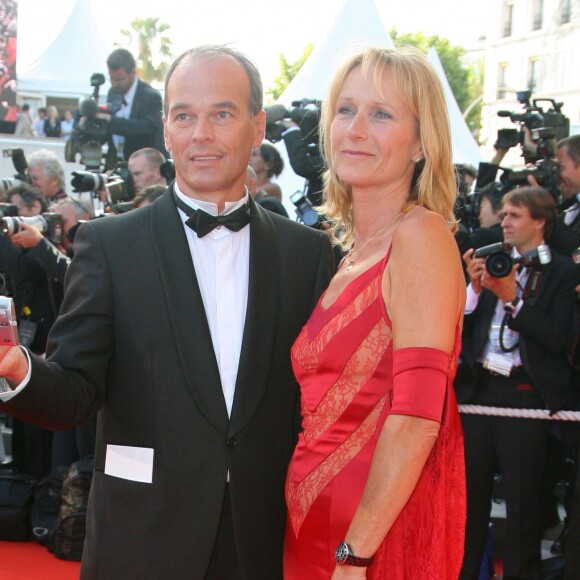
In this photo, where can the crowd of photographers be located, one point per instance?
(518, 237)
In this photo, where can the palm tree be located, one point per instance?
(152, 48)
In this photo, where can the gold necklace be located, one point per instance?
(350, 259)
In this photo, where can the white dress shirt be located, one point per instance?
(125, 113)
(221, 260)
(571, 213)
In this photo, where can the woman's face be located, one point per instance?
(374, 139)
(257, 161)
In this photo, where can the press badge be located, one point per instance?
(498, 361)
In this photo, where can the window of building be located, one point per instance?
(538, 14)
(508, 9)
(502, 80)
(565, 11)
(534, 74)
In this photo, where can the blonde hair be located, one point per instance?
(433, 185)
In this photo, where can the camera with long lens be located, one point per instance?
(49, 224)
(21, 167)
(90, 133)
(545, 171)
(304, 209)
(305, 113)
(499, 261)
(118, 184)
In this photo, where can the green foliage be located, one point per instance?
(288, 71)
(466, 82)
(151, 48)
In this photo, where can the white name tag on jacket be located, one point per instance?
(133, 463)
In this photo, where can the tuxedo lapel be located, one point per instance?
(186, 311)
(261, 318)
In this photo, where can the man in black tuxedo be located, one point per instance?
(137, 122)
(514, 355)
(177, 330)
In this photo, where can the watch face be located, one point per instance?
(342, 553)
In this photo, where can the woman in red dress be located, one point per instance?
(376, 486)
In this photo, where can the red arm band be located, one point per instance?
(420, 377)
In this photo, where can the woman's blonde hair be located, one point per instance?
(433, 185)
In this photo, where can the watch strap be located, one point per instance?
(345, 557)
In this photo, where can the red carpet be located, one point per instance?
(31, 561)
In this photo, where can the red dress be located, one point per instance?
(343, 360)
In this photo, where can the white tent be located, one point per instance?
(65, 67)
(465, 149)
(358, 24)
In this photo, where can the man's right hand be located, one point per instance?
(475, 269)
(27, 236)
(13, 364)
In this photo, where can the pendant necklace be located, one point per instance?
(350, 256)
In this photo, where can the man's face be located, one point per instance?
(520, 229)
(569, 173)
(23, 209)
(121, 80)
(209, 129)
(488, 217)
(144, 173)
(38, 178)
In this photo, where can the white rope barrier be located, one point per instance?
(520, 413)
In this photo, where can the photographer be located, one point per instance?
(144, 165)
(514, 355)
(137, 123)
(37, 299)
(47, 174)
(70, 445)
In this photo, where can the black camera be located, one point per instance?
(8, 209)
(546, 126)
(304, 208)
(305, 113)
(90, 133)
(545, 171)
(49, 224)
(118, 184)
(21, 167)
(499, 261)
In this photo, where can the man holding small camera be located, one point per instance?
(514, 355)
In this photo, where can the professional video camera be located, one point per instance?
(499, 261)
(21, 167)
(536, 119)
(49, 224)
(90, 133)
(118, 184)
(305, 113)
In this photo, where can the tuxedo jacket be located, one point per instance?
(133, 344)
(144, 127)
(565, 238)
(544, 325)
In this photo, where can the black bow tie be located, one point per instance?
(202, 223)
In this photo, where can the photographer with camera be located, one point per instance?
(46, 173)
(137, 122)
(36, 299)
(513, 355)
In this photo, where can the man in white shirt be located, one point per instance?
(180, 340)
(514, 355)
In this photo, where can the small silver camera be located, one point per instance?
(8, 324)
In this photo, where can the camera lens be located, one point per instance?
(499, 264)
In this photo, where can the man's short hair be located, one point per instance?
(26, 107)
(149, 194)
(51, 163)
(121, 58)
(29, 194)
(154, 156)
(207, 51)
(494, 193)
(540, 203)
(572, 145)
(80, 207)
